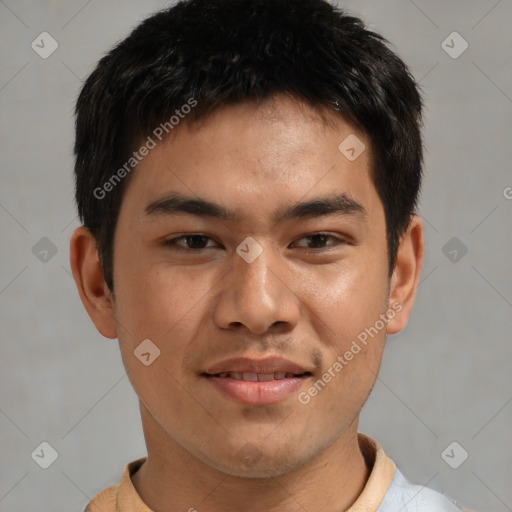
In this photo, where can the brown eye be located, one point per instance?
(320, 241)
(190, 241)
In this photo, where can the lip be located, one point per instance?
(257, 393)
(267, 365)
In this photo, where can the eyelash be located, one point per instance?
(172, 242)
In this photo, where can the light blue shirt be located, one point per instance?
(404, 496)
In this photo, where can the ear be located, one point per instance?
(406, 274)
(88, 274)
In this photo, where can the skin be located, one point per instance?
(296, 300)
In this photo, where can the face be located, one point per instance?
(251, 252)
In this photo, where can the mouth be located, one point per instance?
(256, 383)
(258, 377)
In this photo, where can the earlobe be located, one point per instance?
(406, 275)
(88, 274)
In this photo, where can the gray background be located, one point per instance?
(445, 378)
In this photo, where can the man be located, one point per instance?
(247, 174)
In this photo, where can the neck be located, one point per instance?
(173, 478)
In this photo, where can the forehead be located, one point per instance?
(275, 152)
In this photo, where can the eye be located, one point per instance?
(319, 241)
(191, 241)
(198, 242)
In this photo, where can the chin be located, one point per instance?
(251, 461)
(264, 468)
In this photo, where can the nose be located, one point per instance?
(257, 296)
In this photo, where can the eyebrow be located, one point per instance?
(175, 203)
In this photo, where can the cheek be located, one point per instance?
(162, 306)
(348, 324)
(345, 300)
(157, 301)
(160, 313)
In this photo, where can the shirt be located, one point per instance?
(386, 489)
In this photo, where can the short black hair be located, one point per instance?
(219, 52)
